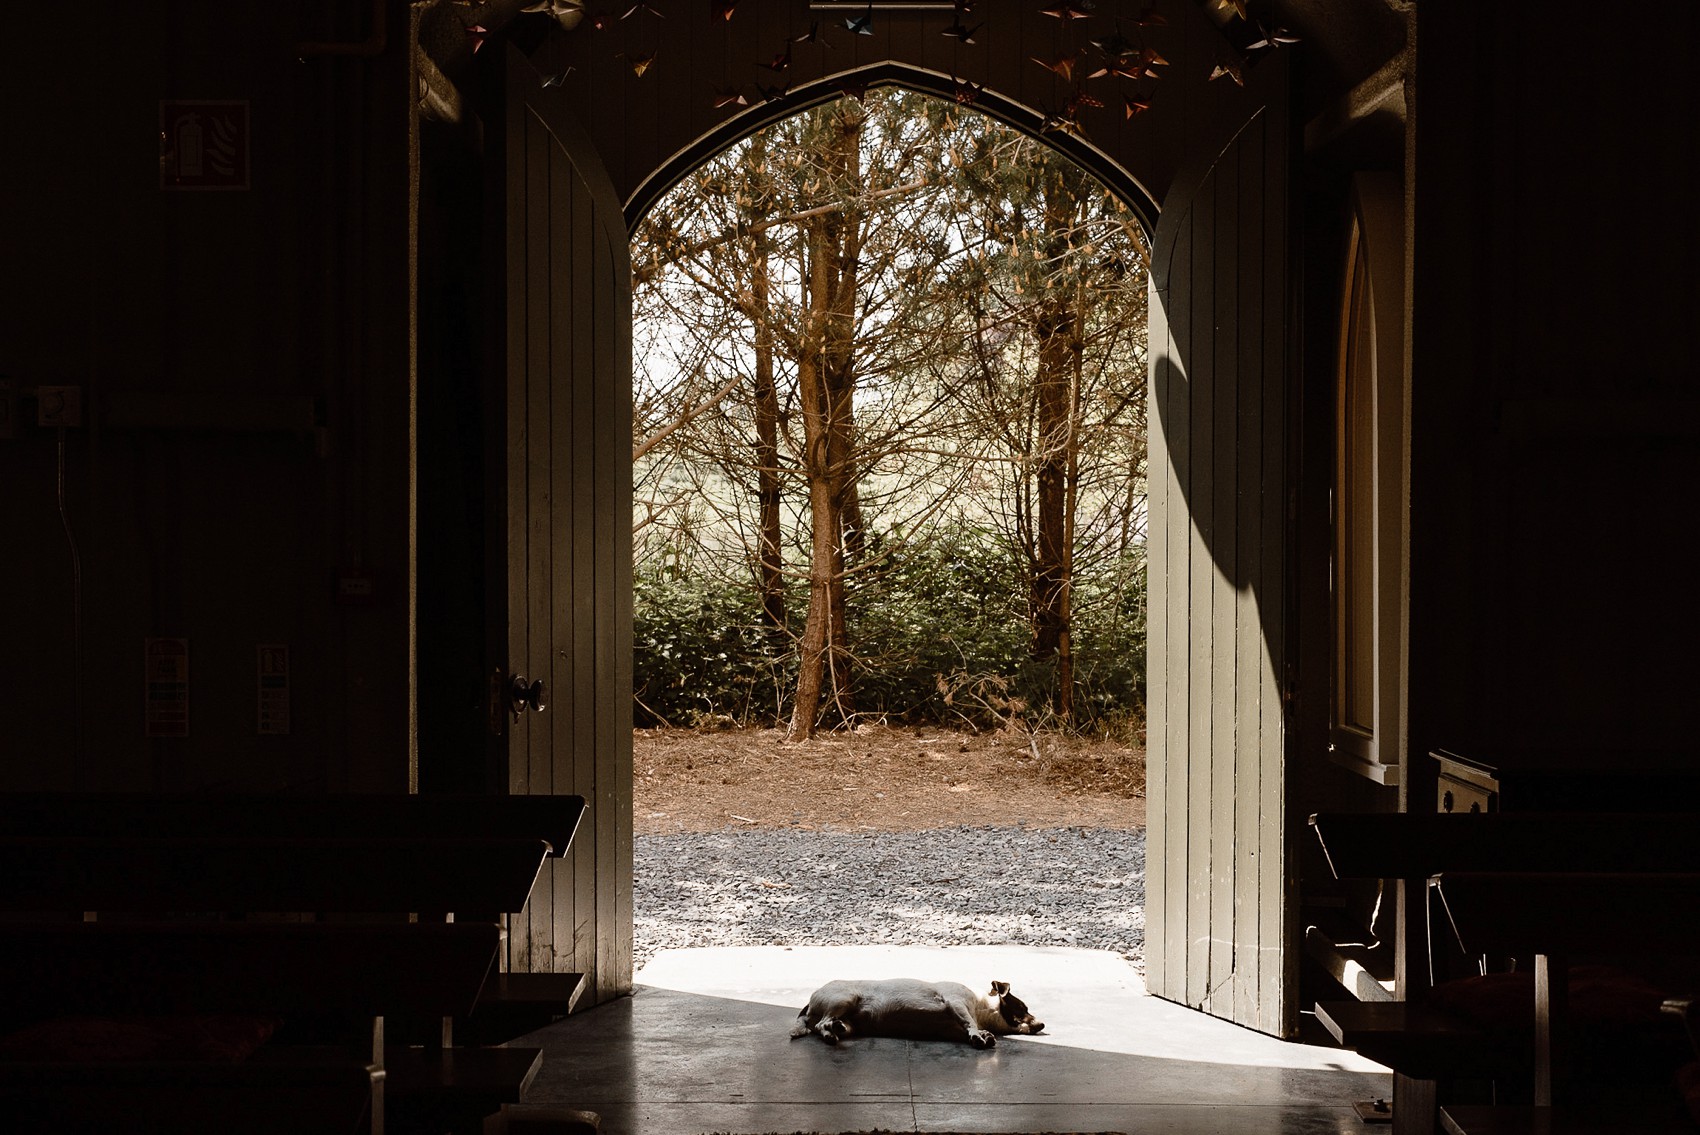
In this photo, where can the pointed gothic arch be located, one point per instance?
(891, 73)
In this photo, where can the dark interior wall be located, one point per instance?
(1554, 413)
(242, 359)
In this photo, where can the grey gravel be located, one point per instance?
(978, 886)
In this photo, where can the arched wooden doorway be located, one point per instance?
(1221, 894)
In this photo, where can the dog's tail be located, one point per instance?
(801, 1028)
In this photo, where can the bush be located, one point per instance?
(700, 652)
(938, 632)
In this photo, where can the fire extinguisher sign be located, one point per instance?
(166, 676)
(203, 144)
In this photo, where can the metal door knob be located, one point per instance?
(522, 696)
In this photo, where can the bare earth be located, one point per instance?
(882, 778)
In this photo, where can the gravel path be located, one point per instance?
(1080, 887)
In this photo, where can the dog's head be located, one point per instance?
(1014, 1011)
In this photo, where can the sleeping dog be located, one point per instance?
(917, 1010)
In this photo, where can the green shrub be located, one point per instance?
(938, 630)
(700, 652)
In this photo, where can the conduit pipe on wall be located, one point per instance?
(373, 44)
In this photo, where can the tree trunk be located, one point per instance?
(1058, 328)
(826, 388)
(821, 669)
(1052, 406)
(770, 559)
(844, 250)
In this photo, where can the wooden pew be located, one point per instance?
(1422, 1045)
(552, 819)
(132, 856)
(1554, 916)
(512, 1004)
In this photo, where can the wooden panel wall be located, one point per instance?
(1220, 926)
(569, 537)
(1555, 431)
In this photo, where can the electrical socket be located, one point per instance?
(59, 406)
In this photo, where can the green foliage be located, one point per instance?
(700, 653)
(940, 607)
(1108, 629)
(940, 634)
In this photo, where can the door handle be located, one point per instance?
(522, 696)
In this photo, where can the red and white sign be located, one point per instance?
(203, 144)
(273, 666)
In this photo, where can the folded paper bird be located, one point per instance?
(1063, 64)
(1068, 10)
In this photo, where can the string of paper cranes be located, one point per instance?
(1113, 45)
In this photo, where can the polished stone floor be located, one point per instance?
(703, 1046)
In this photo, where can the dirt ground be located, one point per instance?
(882, 778)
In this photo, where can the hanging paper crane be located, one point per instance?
(1116, 46)
(1079, 99)
(1231, 68)
(566, 13)
(812, 35)
(1070, 11)
(1062, 65)
(1271, 37)
(863, 24)
(1061, 124)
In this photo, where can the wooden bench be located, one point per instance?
(155, 866)
(510, 1007)
(1554, 915)
(1422, 1045)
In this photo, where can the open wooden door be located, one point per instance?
(565, 533)
(1220, 890)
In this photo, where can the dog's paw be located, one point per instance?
(981, 1039)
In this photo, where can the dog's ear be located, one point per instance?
(1000, 987)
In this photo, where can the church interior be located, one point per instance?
(315, 515)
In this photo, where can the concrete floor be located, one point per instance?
(703, 1046)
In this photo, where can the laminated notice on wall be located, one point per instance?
(273, 664)
(166, 679)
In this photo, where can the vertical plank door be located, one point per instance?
(566, 527)
(1220, 891)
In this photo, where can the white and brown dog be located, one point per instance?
(915, 1010)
